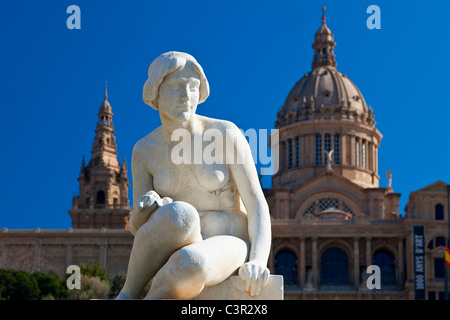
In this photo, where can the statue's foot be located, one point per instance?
(123, 296)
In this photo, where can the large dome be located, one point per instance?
(324, 92)
(324, 86)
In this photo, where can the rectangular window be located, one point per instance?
(318, 149)
(363, 154)
(439, 267)
(357, 152)
(290, 155)
(439, 211)
(336, 149)
(297, 152)
(327, 143)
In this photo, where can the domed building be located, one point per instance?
(325, 112)
(330, 217)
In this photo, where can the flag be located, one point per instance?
(447, 256)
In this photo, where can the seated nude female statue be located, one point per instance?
(195, 224)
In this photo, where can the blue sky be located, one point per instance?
(253, 52)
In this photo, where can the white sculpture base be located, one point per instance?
(233, 289)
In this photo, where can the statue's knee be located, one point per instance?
(191, 266)
(178, 220)
(180, 216)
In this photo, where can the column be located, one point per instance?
(401, 280)
(315, 270)
(352, 150)
(376, 160)
(372, 157)
(356, 261)
(102, 254)
(312, 149)
(69, 255)
(302, 268)
(283, 156)
(368, 252)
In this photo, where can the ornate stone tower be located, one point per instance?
(325, 111)
(103, 198)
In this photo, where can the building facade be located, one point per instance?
(100, 215)
(330, 218)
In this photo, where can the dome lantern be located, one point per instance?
(324, 46)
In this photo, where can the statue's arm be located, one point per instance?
(255, 271)
(142, 183)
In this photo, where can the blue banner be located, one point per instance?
(419, 262)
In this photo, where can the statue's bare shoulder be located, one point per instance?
(223, 126)
(146, 148)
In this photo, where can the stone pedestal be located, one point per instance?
(233, 289)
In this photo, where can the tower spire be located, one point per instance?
(103, 198)
(324, 45)
(323, 16)
(104, 147)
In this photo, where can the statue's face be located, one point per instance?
(179, 94)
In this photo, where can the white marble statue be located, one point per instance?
(389, 176)
(329, 160)
(195, 224)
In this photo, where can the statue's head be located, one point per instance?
(176, 84)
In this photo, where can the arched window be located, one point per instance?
(100, 197)
(297, 152)
(440, 241)
(334, 268)
(318, 149)
(439, 212)
(385, 261)
(286, 265)
(436, 242)
(336, 149)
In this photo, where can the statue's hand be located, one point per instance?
(256, 276)
(144, 207)
(151, 198)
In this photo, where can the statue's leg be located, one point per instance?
(172, 227)
(205, 263)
